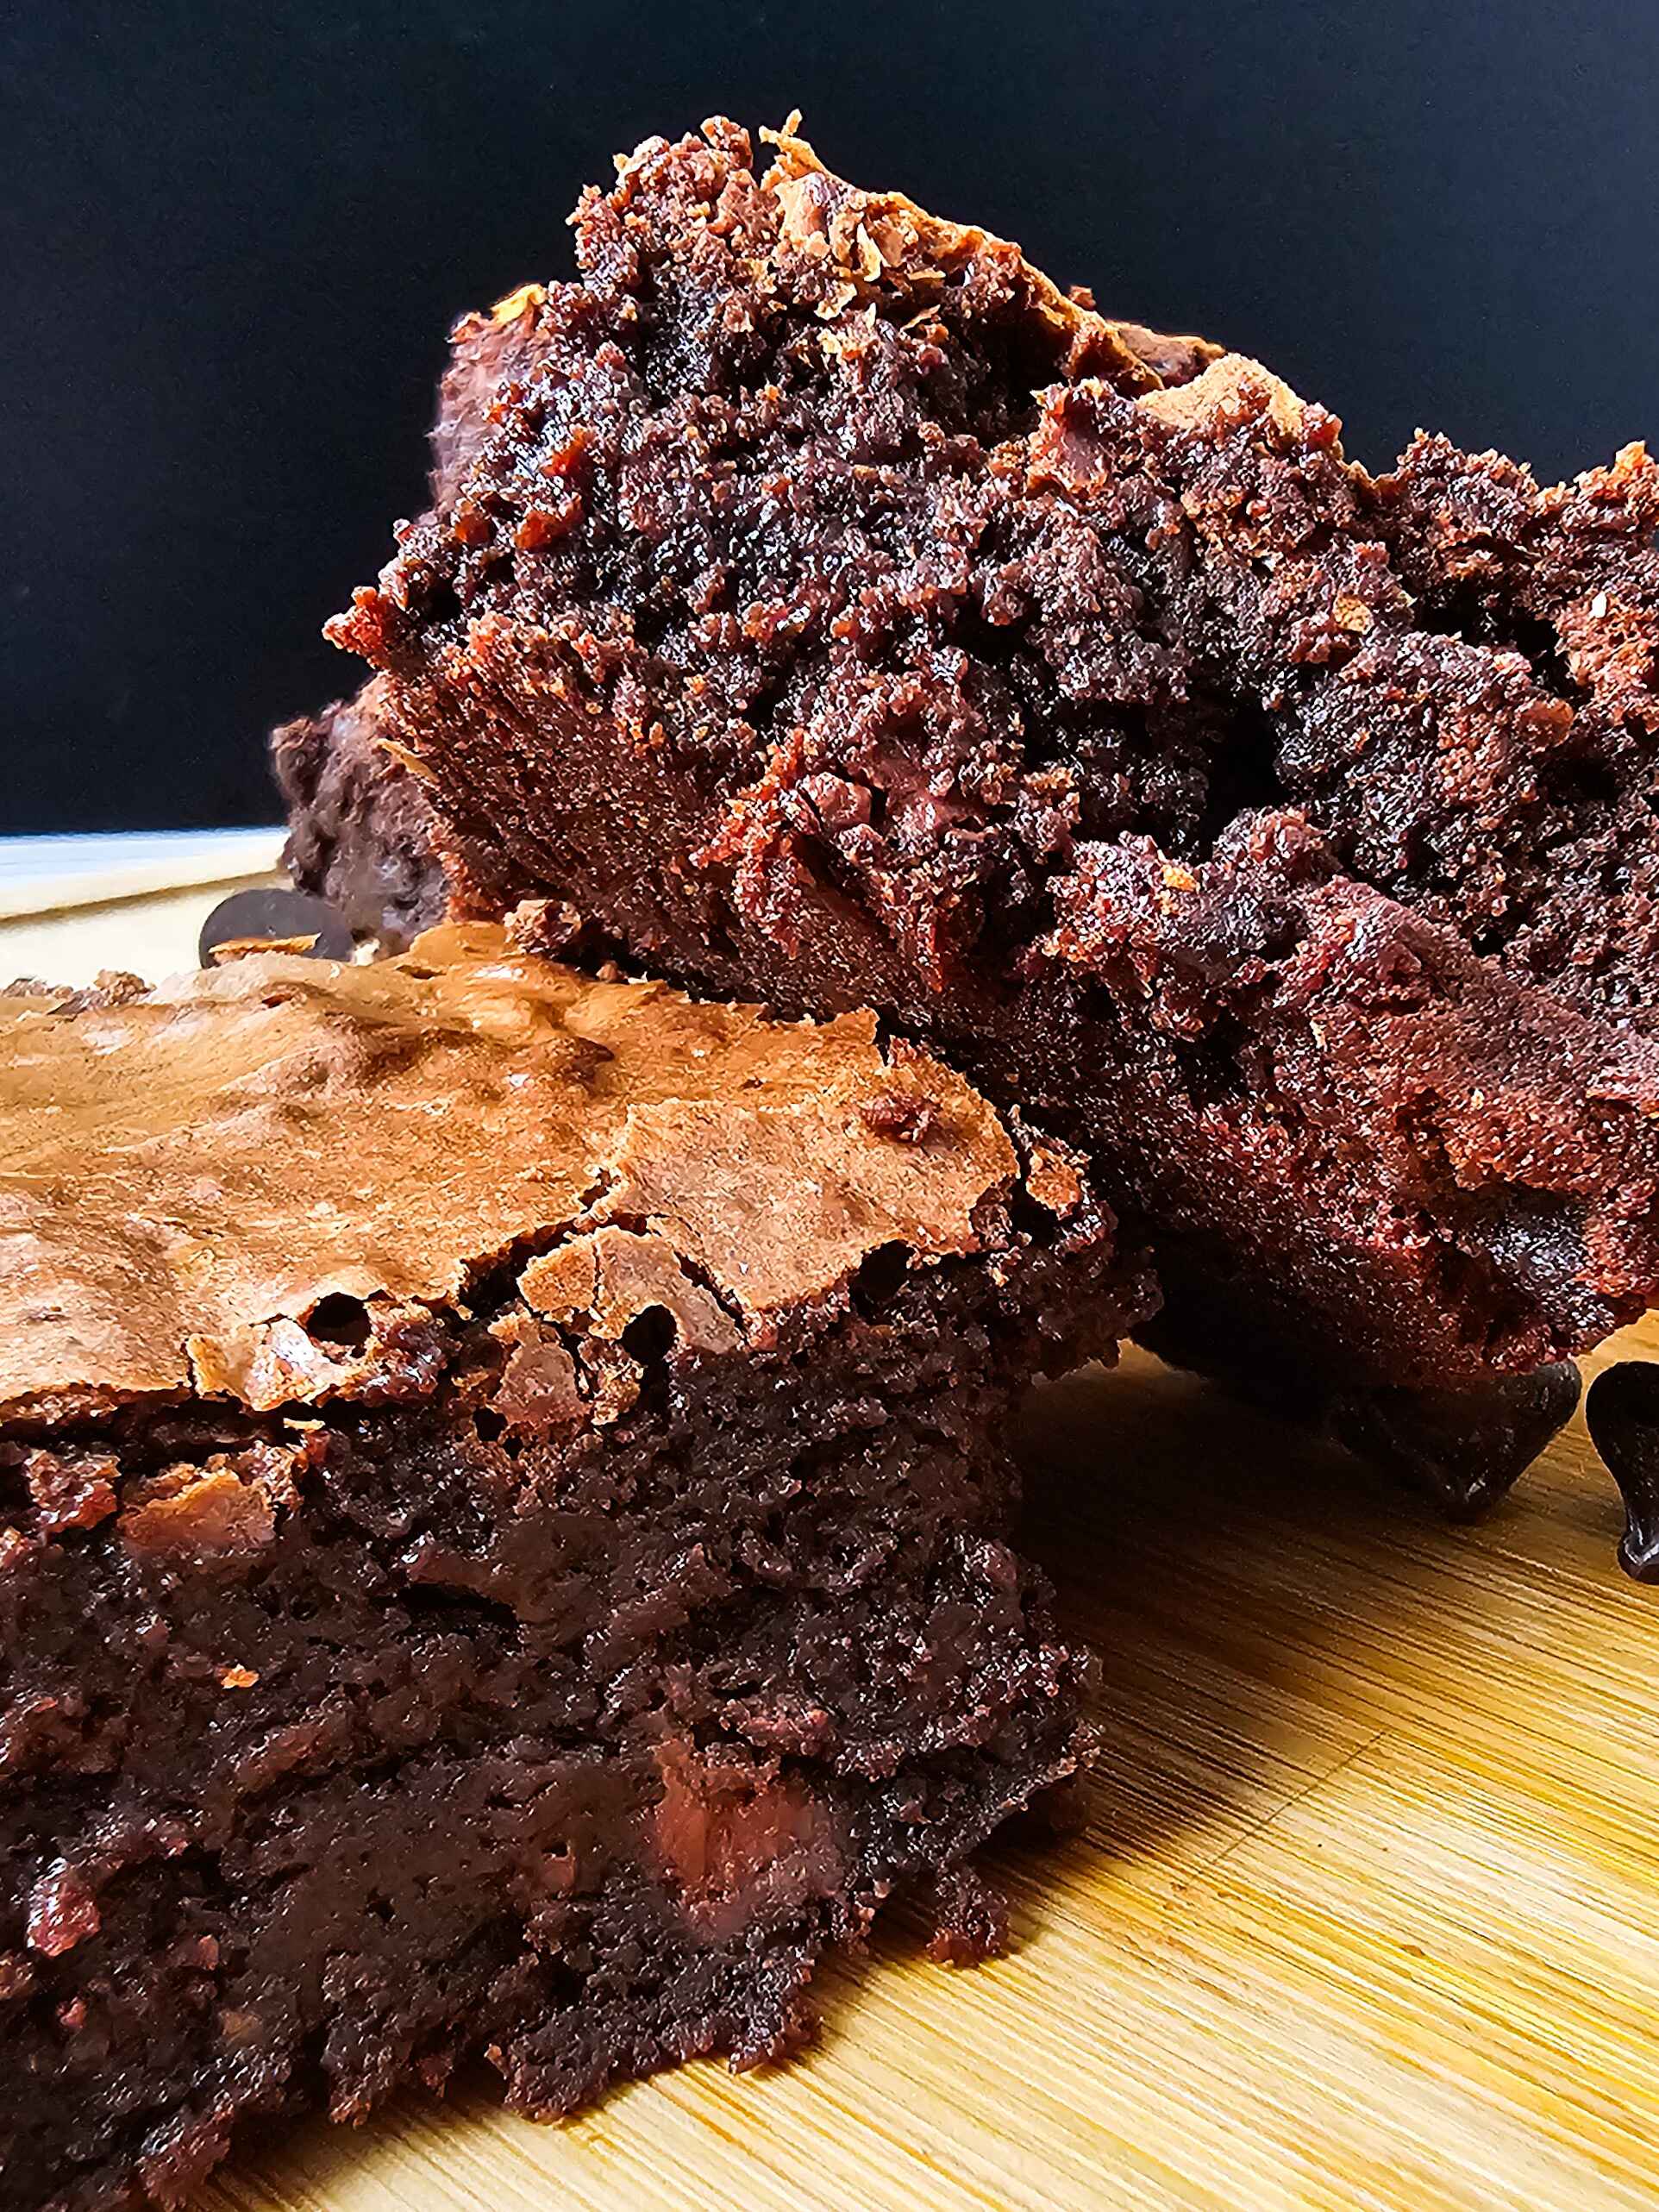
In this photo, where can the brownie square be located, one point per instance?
(503, 1530)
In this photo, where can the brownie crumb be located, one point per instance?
(969, 1917)
(550, 927)
(908, 1116)
(362, 838)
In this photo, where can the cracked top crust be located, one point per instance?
(188, 1173)
(867, 243)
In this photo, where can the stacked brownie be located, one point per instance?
(823, 605)
(504, 1514)
(503, 1530)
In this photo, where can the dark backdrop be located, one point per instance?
(232, 236)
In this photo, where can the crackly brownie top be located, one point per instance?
(189, 1174)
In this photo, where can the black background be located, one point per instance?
(233, 236)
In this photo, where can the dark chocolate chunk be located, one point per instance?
(1463, 1449)
(1622, 1414)
(268, 916)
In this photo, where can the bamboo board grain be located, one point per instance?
(1365, 1913)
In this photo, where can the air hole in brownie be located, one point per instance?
(489, 1425)
(1585, 782)
(462, 1613)
(1464, 613)
(1031, 1219)
(650, 1335)
(491, 1287)
(339, 1320)
(879, 1275)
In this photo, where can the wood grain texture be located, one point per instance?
(1365, 1913)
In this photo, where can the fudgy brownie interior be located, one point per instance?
(502, 1532)
(832, 608)
(1562, 579)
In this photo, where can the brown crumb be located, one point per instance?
(970, 1918)
(909, 1117)
(62, 1912)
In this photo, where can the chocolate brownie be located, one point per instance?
(359, 831)
(502, 1532)
(836, 610)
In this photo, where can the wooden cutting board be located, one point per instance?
(1365, 1913)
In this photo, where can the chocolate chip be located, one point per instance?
(1622, 1414)
(1464, 1448)
(289, 921)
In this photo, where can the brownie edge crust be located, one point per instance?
(502, 1532)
